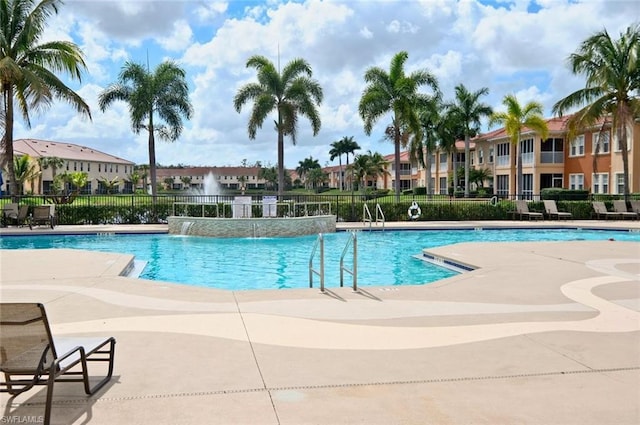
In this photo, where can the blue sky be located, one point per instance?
(511, 47)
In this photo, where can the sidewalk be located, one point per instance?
(540, 333)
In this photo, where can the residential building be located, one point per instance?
(100, 167)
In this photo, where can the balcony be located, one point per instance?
(551, 157)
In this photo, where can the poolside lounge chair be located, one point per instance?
(41, 215)
(551, 209)
(600, 211)
(635, 206)
(522, 209)
(12, 214)
(29, 356)
(620, 206)
(9, 211)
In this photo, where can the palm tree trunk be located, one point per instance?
(341, 175)
(280, 158)
(625, 152)
(428, 173)
(8, 139)
(152, 162)
(396, 137)
(466, 165)
(518, 170)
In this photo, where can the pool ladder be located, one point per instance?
(318, 247)
(366, 215)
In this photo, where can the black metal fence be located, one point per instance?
(350, 207)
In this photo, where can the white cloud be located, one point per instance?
(502, 47)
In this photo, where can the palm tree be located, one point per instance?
(28, 66)
(290, 93)
(448, 130)
(423, 144)
(369, 165)
(317, 177)
(612, 71)
(269, 175)
(25, 170)
(337, 150)
(47, 162)
(515, 119)
(163, 94)
(350, 146)
(305, 166)
(469, 111)
(397, 93)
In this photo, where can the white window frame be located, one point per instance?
(600, 183)
(619, 183)
(577, 146)
(576, 181)
(605, 144)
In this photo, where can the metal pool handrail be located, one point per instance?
(353, 240)
(318, 244)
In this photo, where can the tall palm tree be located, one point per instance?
(28, 67)
(470, 111)
(162, 94)
(515, 119)
(291, 93)
(350, 147)
(448, 130)
(369, 165)
(397, 93)
(269, 175)
(423, 144)
(612, 71)
(337, 150)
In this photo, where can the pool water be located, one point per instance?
(384, 258)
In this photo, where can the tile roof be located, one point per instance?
(68, 151)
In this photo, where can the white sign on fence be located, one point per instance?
(269, 206)
(242, 207)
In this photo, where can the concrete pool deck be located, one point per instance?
(540, 333)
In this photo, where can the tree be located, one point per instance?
(162, 94)
(469, 111)
(612, 71)
(317, 177)
(186, 182)
(448, 130)
(350, 146)
(25, 170)
(28, 67)
(291, 93)
(369, 165)
(270, 176)
(109, 186)
(396, 93)
(337, 150)
(305, 166)
(46, 162)
(515, 119)
(425, 143)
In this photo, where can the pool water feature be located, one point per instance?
(384, 258)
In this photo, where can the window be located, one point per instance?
(99, 167)
(75, 166)
(443, 186)
(502, 182)
(503, 154)
(616, 140)
(443, 162)
(551, 151)
(81, 166)
(600, 183)
(480, 156)
(619, 183)
(576, 181)
(600, 142)
(527, 186)
(111, 168)
(526, 150)
(577, 146)
(116, 168)
(88, 166)
(491, 155)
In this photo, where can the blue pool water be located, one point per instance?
(384, 258)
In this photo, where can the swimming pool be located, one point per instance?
(384, 258)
